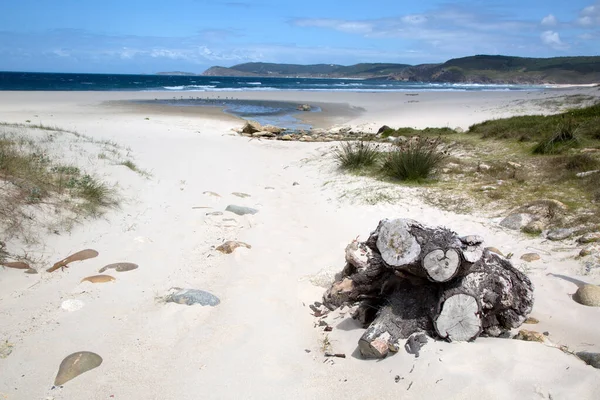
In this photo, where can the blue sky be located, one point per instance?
(131, 36)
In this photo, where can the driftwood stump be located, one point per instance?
(408, 278)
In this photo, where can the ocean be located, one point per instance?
(116, 82)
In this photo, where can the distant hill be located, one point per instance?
(474, 69)
(177, 73)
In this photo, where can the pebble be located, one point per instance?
(531, 320)
(230, 246)
(516, 221)
(75, 365)
(72, 305)
(240, 194)
(239, 210)
(193, 296)
(592, 359)
(529, 257)
(530, 336)
(588, 295)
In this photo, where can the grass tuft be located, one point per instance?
(564, 138)
(355, 155)
(414, 162)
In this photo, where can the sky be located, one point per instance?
(132, 36)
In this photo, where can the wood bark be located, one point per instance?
(408, 278)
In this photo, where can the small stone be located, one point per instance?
(239, 210)
(516, 221)
(495, 250)
(590, 238)
(559, 234)
(546, 333)
(229, 246)
(592, 359)
(251, 127)
(415, 342)
(120, 267)
(192, 296)
(531, 320)
(240, 194)
(263, 134)
(75, 365)
(286, 137)
(295, 184)
(72, 305)
(534, 227)
(529, 257)
(588, 295)
(530, 336)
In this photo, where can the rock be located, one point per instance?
(120, 267)
(303, 107)
(72, 305)
(75, 365)
(588, 295)
(483, 167)
(516, 221)
(273, 129)
(530, 336)
(192, 296)
(239, 210)
(587, 173)
(531, 321)
(415, 342)
(251, 127)
(263, 134)
(559, 234)
(383, 129)
(529, 257)
(98, 279)
(230, 246)
(240, 194)
(514, 165)
(534, 227)
(295, 184)
(592, 359)
(16, 265)
(495, 250)
(286, 137)
(590, 238)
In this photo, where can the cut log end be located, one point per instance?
(459, 318)
(441, 266)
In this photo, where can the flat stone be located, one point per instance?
(588, 295)
(530, 336)
(531, 321)
(240, 210)
(193, 296)
(75, 365)
(592, 359)
(516, 221)
(529, 257)
(559, 234)
(590, 238)
(240, 194)
(534, 227)
(119, 267)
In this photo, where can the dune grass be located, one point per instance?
(414, 162)
(355, 155)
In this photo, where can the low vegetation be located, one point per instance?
(500, 165)
(355, 155)
(38, 190)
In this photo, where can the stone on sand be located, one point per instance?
(120, 267)
(192, 296)
(530, 336)
(590, 238)
(529, 257)
(588, 295)
(230, 246)
(75, 365)
(559, 234)
(592, 359)
(240, 210)
(516, 221)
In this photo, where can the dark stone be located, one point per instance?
(592, 359)
(559, 234)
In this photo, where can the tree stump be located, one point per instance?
(408, 278)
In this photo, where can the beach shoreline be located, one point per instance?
(261, 341)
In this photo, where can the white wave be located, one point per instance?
(190, 87)
(252, 83)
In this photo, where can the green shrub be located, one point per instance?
(564, 138)
(580, 162)
(355, 155)
(414, 162)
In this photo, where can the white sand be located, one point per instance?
(252, 345)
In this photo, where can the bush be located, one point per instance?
(414, 162)
(564, 138)
(354, 155)
(580, 162)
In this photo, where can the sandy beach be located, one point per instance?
(261, 341)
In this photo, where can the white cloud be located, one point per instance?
(590, 16)
(549, 20)
(337, 24)
(552, 39)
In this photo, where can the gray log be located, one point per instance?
(459, 317)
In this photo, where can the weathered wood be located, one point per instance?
(459, 317)
(408, 278)
(441, 266)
